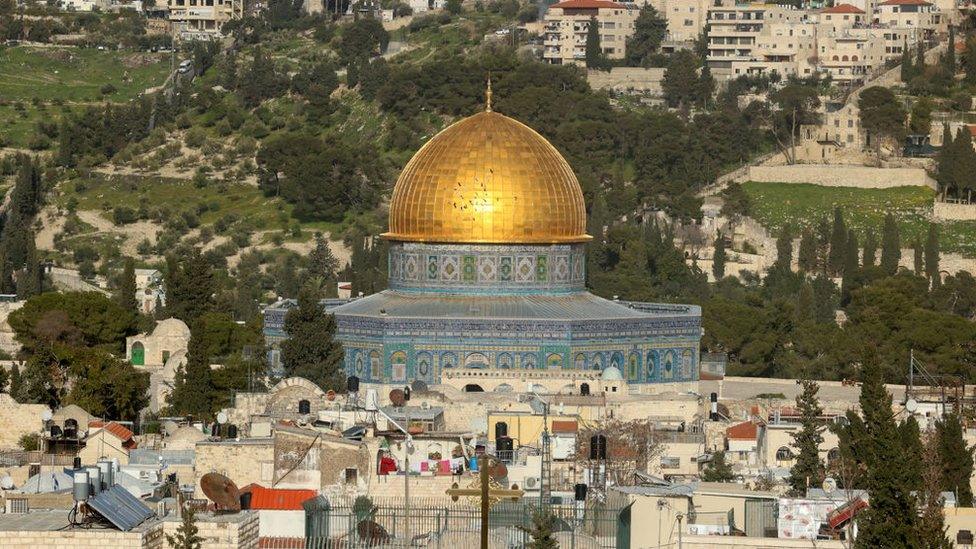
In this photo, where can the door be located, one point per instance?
(138, 354)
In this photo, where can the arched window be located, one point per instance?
(853, 58)
(784, 454)
(375, 366)
(138, 354)
(579, 361)
(304, 407)
(836, 58)
(554, 361)
(844, 58)
(505, 361)
(398, 362)
(477, 361)
(473, 388)
(633, 367)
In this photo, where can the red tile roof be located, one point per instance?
(743, 431)
(567, 426)
(119, 431)
(843, 8)
(589, 4)
(905, 3)
(972, 129)
(277, 499)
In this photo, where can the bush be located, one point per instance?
(31, 442)
(195, 138)
(962, 101)
(108, 89)
(87, 270)
(123, 215)
(144, 247)
(85, 254)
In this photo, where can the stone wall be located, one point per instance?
(243, 462)
(861, 177)
(944, 211)
(102, 539)
(17, 420)
(627, 78)
(237, 531)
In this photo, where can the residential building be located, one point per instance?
(202, 19)
(567, 23)
(149, 290)
(107, 440)
(919, 15)
(686, 18)
(734, 38)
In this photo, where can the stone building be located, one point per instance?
(487, 279)
(149, 290)
(567, 23)
(202, 19)
(160, 353)
(108, 440)
(17, 420)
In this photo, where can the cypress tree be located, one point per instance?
(919, 59)
(932, 255)
(890, 245)
(911, 443)
(838, 244)
(594, 53)
(718, 469)
(805, 308)
(918, 260)
(311, 350)
(14, 388)
(957, 459)
(824, 299)
(718, 258)
(542, 531)
(30, 279)
(850, 268)
(807, 259)
(784, 249)
(808, 470)
(873, 438)
(125, 294)
(932, 527)
(963, 164)
(950, 56)
(323, 264)
(194, 392)
(870, 249)
(907, 69)
(189, 287)
(188, 533)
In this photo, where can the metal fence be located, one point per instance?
(442, 524)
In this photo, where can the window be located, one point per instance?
(784, 454)
(670, 462)
(351, 476)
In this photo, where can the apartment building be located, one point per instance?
(741, 38)
(567, 23)
(202, 19)
(686, 18)
(910, 14)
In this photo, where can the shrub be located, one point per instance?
(123, 215)
(108, 89)
(31, 442)
(195, 138)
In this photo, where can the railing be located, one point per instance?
(19, 458)
(448, 525)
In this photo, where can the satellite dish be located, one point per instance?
(221, 418)
(829, 485)
(497, 469)
(7, 482)
(222, 491)
(911, 405)
(46, 415)
(418, 386)
(397, 398)
(330, 396)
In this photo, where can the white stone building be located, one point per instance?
(567, 23)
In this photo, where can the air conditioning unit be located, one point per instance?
(532, 484)
(425, 405)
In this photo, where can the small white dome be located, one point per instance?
(611, 374)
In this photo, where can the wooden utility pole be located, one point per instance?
(486, 493)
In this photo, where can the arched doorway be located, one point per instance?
(138, 354)
(473, 388)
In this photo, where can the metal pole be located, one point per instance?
(483, 465)
(680, 516)
(406, 482)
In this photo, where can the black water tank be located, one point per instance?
(504, 447)
(580, 492)
(501, 430)
(304, 407)
(585, 389)
(76, 463)
(598, 447)
(70, 432)
(232, 431)
(55, 431)
(246, 500)
(352, 384)
(406, 394)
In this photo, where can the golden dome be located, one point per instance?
(488, 179)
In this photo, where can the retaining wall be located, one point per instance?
(861, 177)
(944, 211)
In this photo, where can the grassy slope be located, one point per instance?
(776, 204)
(75, 74)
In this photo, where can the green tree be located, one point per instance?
(453, 7)
(542, 531)
(125, 294)
(907, 67)
(187, 535)
(14, 388)
(261, 80)
(870, 249)
(807, 260)
(79, 319)
(194, 392)
(30, 279)
(594, 53)
(825, 299)
(704, 87)
(311, 350)
(932, 255)
(649, 31)
(797, 105)
(717, 469)
(921, 117)
(189, 286)
(969, 60)
(932, 527)
(106, 386)
(681, 80)
(805, 308)
(850, 268)
(718, 258)
(838, 244)
(324, 265)
(872, 440)
(808, 470)
(890, 245)
(882, 116)
(956, 457)
(911, 444)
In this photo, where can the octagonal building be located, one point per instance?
(487, 235)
